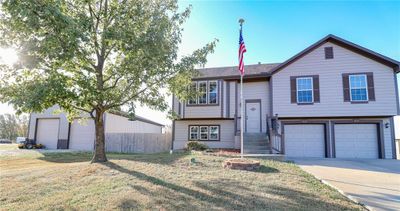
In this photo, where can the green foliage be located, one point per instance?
(95, 55)
(197, 146)
(12, 126)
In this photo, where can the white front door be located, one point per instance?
(253, 117)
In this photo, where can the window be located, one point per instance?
(202, 92)
(214, 132)
(212, 92)
(358, 87)
(194, 133)
(207, 93)
(328, 52)
(203, 132)
(304, 90)
(193, 89)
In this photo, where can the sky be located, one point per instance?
(274, 31)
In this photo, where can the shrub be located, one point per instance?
(21, 146)
(194, 145)
(39, 146)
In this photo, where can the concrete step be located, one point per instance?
(264, 147)
(260, 151)
(256, 143)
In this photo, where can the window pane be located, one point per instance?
(203, 92)
(194, 133)
(213, 90)
(304, 90)
(358, 87)
(304, 96)
(203, 132)
(214, 132)
(193, 89)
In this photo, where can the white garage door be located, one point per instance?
(306, 140)
(356, 140)
(47, 132)
(82, 135)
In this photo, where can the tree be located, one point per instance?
(93, 56)
(12, 126)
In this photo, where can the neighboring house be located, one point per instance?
(334, 99)
(55, 132)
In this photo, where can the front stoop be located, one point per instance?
(256, 143)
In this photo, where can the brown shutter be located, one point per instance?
(316, 88)
(346, 89)
(370, 84)
(293, 90)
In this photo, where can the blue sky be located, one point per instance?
(276, 30)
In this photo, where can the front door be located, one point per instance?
(253, 117)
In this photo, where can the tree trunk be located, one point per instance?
(99, 147)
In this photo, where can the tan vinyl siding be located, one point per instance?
(254, 91)
(232, 100)
(227, 138)
(331, 92)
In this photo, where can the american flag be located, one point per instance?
(242, 50)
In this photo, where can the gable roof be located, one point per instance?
(136, 118)
(254, 70)
(345, 44)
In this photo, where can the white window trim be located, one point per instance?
(198, 89)
(209, 135)
(196, 98)
(366, 87)
(216, 92)
(200, 133)
(190, 132)
(312, 89)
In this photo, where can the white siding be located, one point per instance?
(49, 113)
(331, 92)
(120, 124)
(227, 138)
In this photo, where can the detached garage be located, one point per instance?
(52, 129)
(305, 140)
(357, 140)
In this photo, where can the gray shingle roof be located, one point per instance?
(254, 69)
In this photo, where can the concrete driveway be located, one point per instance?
(374, 183)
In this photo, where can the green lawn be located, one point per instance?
(158, 182)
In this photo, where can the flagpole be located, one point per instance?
(241, 105)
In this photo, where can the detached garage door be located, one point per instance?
(356, 141)
(82, 135)
(47, 132)
(307, 140)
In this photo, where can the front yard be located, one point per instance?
(158, 182)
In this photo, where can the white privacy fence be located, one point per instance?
(138, 142)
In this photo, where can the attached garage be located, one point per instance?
(356, 141)
(304, 140)
(82, 135)
(47, 132)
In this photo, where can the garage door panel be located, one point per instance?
(306, 140)
(82, 135)
(47, 132)
(356, 141)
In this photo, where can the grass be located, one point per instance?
(8, 146)
(67, 181)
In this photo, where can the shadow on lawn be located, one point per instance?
(225, 194)
(72, 157)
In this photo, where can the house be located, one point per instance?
(334, 99)
(55, 132)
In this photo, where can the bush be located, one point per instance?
(39, 146)
(194, 145)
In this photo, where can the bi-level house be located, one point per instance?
(334, 99)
